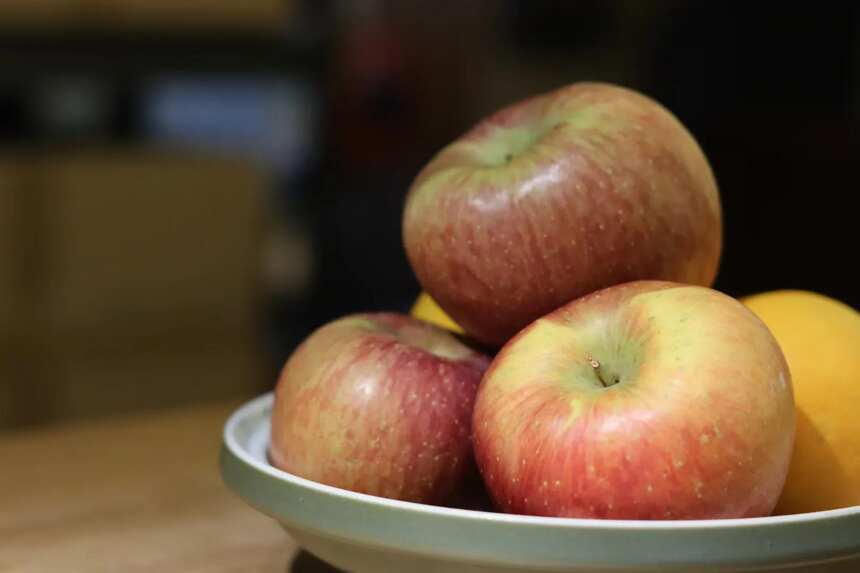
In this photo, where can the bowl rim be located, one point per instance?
(261, 403)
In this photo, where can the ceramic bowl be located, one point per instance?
(364, 533)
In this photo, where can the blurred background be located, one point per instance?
(187, 189)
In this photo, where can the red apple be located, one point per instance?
(379, 404)
(648, 400)
(558, 196)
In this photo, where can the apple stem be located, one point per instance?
(596, 366)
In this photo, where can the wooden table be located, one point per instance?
(133, 494)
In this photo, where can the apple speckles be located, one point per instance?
(673, 493)
(704, 439)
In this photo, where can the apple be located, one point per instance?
(379, 403)
(647, 400)
(557, 196)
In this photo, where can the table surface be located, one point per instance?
(133, 494)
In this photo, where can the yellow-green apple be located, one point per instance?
(379, 403)
(557, 196)
(646, 400)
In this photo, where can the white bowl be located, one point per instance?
(364, 533)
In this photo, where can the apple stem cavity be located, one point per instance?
(595, 364)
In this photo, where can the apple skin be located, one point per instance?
(380, 403)
(557, 196)
(701, 424)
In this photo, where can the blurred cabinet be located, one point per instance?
(11, 184)
(141, 274)
(141, 239)
(11, 177)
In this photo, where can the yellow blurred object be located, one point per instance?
(428, 310)
(820, 338)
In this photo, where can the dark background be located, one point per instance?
(358, 95)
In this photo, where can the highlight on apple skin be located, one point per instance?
(380, 403)
(647, 400)
(557, 196)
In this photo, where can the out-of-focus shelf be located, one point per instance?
(111, 55)
(263, 16)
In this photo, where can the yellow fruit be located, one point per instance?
(428, 310)
(820, 338)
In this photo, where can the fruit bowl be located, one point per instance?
(363, 533)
